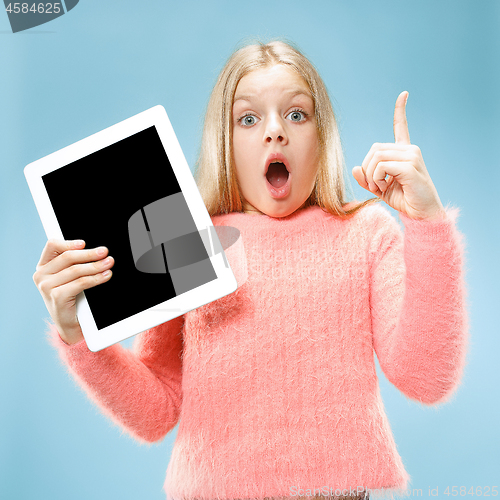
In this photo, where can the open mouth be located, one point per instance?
(277, 174)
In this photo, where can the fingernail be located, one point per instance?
(101, 250)
(78, 243)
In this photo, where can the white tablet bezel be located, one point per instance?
(224, 284)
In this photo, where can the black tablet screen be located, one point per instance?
(126, 197)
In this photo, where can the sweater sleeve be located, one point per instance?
(418, 309)
(139, 389)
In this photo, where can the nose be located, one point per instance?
(275, 130)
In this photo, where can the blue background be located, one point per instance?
(105, 61)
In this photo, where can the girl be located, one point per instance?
(275, 385)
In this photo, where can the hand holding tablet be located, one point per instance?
(166, 256)
(65, 269)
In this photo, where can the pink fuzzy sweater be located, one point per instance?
(275, 385)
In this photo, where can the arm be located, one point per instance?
(418, 306)
(417, 293)
(139, 390)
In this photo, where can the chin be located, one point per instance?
(284, 210)
(280, 214)
(273, 207)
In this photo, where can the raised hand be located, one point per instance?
(396, 172)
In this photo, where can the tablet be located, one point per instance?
(129, 188)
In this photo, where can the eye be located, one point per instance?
(248, 120)
(297, 115)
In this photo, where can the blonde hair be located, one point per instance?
(215, 172)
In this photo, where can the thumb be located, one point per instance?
(358, 174)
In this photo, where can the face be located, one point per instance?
(275, 142)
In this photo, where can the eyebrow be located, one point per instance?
(292, 93)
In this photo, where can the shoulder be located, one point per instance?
(374, 217)
(374, 211)
(376, 228)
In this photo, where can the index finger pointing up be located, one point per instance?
(401, 133)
